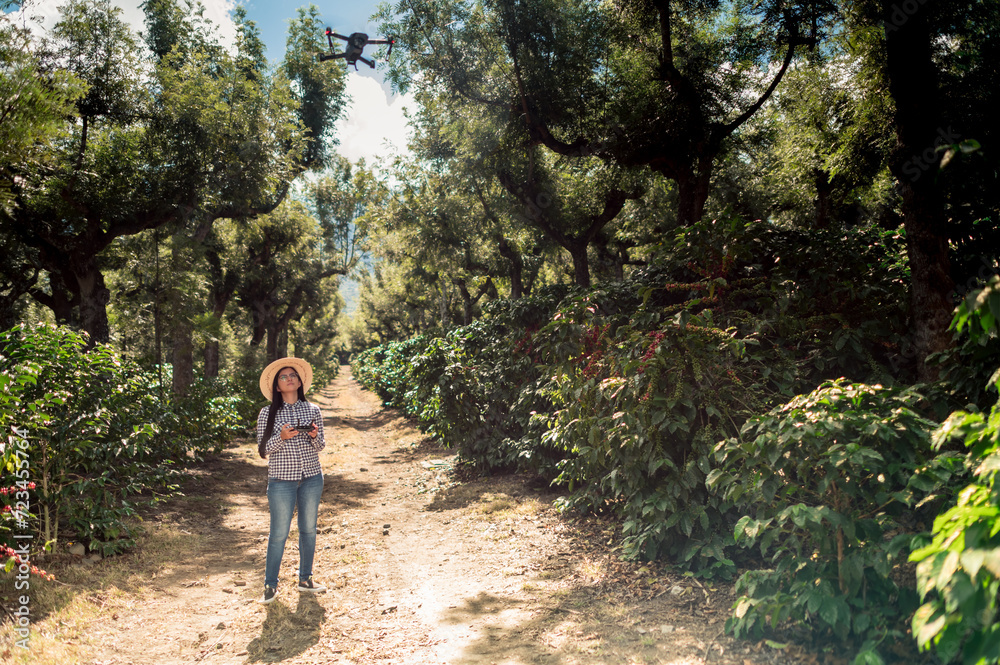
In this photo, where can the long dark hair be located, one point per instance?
(272, 411)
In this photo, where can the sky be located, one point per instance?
(374, 115)
(374, 125)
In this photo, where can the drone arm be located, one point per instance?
(390, 42)
(330, 34)
(368, 62)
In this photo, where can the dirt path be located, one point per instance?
(421, 570)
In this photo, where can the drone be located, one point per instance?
(356, 43)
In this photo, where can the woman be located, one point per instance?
(290, 436)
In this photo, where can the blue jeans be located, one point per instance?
(282, 498)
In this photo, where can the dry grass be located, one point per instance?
(67, 614)
(502, 507)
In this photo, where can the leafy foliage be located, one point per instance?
(621, 393)
(641, 400)
(958, 572)
(828, 482)
(99, 435)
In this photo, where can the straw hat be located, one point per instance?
(301, 367)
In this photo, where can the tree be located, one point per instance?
(913, 85)
(32, 112)
(668, 85)
(396, 303)
(934, 58)
(283, 272)
(827, 141)
(570, 201)
(32, 107)
(206, 135)
(338, 200)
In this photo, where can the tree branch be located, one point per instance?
(728, 129)
(614, 201)
(538, 131)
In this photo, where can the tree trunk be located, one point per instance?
(692, 193)
(516, 267)
(581, 268)
(271, 347)
(516, 286)
(63, 301)
(157, 319)
(211, 357)
(529, 282)
(466, 301)
(913, 85)
(223, 286)
(79, 297)
(260, 315)
(183, 355)
(824, 198)
(443, 305)
(94, 299)
(283, 342)
(181, 328)
(931, 285)
(211, 354)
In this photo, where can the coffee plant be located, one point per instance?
(477, 388)
(473, 388)
(640, 402)
(829, 483)
(97, 433)
(384, 369)
(682, 402)
(619, 394)
(958, 571)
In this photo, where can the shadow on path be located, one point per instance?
(286, 633)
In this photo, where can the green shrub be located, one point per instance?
(384, 369)
(828, 482)
(18, 514)
(475, 388)
(98, 436)
(472, 388)
(958, 574)
(641, 401)
(620, 393)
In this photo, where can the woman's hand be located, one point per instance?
(314, 431)
(288, 431)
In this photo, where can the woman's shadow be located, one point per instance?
(286, 634)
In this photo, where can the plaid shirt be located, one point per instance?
(297, 457)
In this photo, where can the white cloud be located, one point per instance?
(217, 11)
(374, 126)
